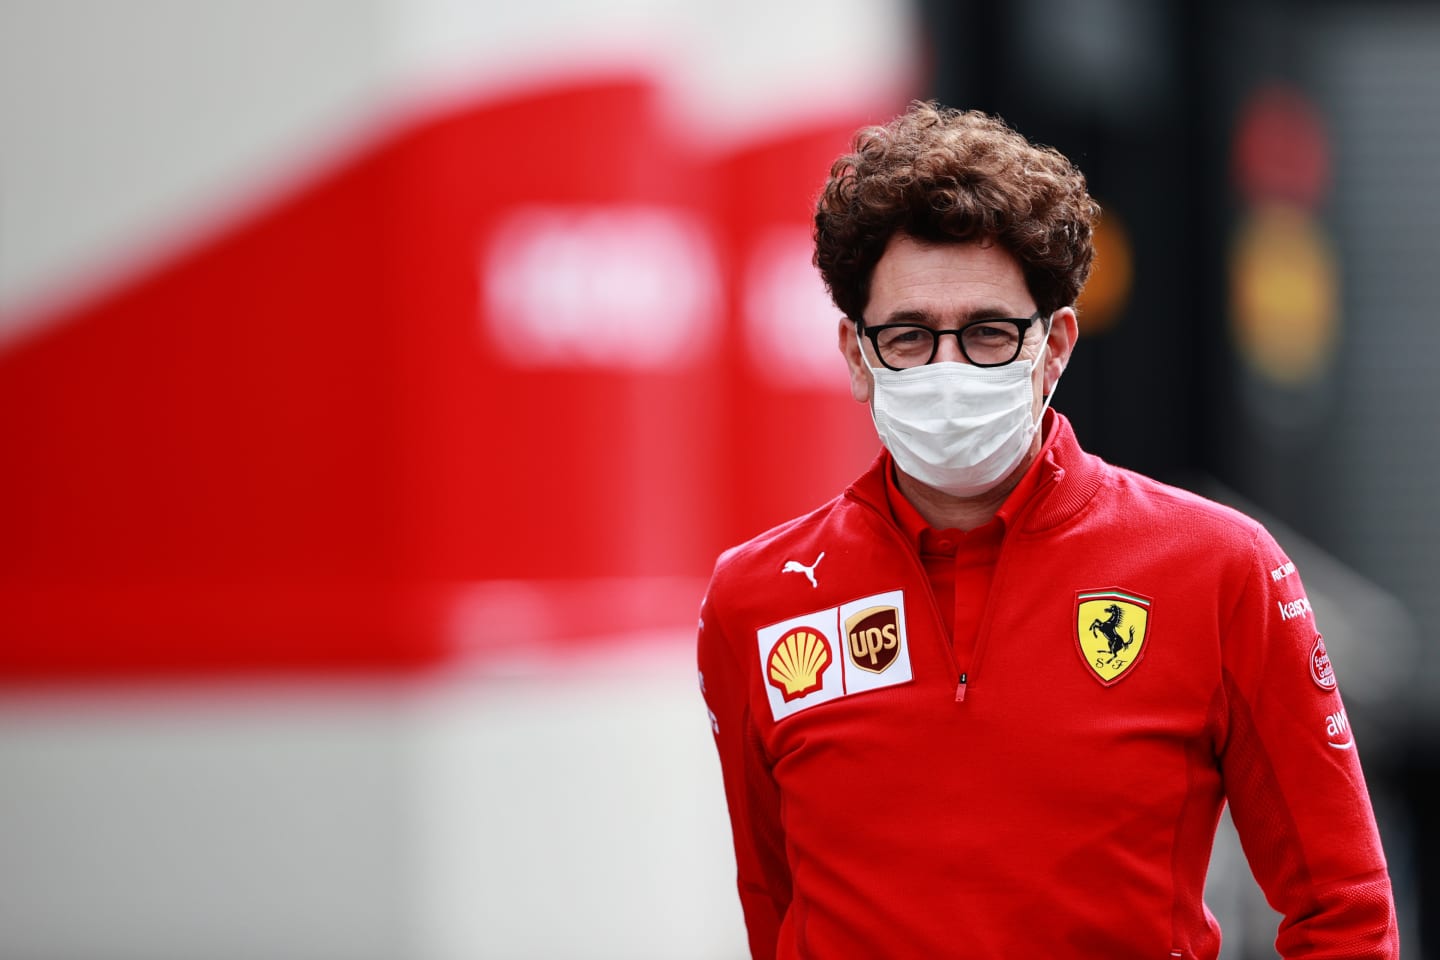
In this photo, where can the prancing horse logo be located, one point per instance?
(1110, 628)
(1110, 631)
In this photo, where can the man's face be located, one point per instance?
(945, 286)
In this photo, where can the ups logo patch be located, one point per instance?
(874, 638)
(1111, 627)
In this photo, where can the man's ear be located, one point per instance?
(861, 382)
(1064, 331)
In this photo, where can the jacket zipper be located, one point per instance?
(1012, 531)
(936, 619)
(962, 681)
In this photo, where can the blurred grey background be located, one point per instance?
(1258, 330)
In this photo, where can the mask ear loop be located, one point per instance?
(860, 339)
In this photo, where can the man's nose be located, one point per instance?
(948, 348)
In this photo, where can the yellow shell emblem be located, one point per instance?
(1111, 627)
(797, 663)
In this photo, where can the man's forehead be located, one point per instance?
(947, 282)
(909, 261)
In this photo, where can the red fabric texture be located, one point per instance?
(1052, 812)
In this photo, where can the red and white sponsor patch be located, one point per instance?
(1320, 670)
(821, 656)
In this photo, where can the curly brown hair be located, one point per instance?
(950, 176)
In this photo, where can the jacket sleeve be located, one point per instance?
(1292, 774)
(763, 873)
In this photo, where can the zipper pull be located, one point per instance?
(960, 690)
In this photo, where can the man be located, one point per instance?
(989, 702)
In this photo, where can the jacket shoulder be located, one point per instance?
(1162, 506)
(787, 541)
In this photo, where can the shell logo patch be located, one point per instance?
(798, 662)
(802, 662)
(1110, 628)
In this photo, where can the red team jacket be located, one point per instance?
(1145, 655)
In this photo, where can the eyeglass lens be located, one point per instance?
(984, 343)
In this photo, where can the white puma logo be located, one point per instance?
(795, 566)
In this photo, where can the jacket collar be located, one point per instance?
(1060, 483)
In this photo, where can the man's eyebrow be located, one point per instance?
(910, 316)
(988, 311)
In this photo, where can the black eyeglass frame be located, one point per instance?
(1022, 327)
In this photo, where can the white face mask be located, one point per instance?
(953, 426)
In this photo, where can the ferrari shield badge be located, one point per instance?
(1110, 627)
